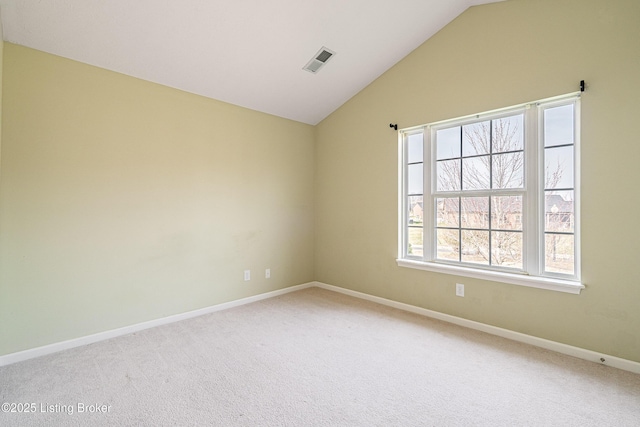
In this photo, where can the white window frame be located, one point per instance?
(532, 273)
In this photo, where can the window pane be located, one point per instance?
(448, 212)
(475, 246)
(448, 178)
(475, 173)
(558, 167)
(559, 255)
(558, 125)
(414, 148)
(475, 139)
(414, 244)
(508, 170)
(558, 210)
(506, 249)
(415, 207)
(448, 143)
(506, 213)
(415, 179)
(475, 212)
(448, 245)
(508, 134)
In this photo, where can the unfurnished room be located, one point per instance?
(319, 213)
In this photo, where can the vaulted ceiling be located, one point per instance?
(246, 52)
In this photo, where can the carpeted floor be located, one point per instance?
(316, 358)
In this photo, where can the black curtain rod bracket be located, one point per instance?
(393, 126)
(582, 86)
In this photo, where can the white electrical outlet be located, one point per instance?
(267, 273)
(459, 289)
(247, 275)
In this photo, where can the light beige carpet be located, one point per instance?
(317, 358)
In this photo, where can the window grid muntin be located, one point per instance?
(491, 154)
(490, 229)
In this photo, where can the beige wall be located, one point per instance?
(124, 201)
(495, 56)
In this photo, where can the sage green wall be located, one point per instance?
(124, 201)
(495, 56)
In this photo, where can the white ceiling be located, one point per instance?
(245, 52)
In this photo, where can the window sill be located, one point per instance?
(548, 283)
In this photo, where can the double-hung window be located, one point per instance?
(495, 195)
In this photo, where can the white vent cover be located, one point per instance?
(319, 59)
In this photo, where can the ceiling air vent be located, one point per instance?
(318, 60)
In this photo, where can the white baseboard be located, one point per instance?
(603, 359)
(101, 336)
(581, 353)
